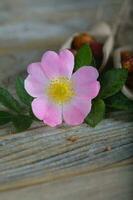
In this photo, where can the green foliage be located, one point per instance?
(120, 102)
(21, 92)
(83, 57)
(7, 100)
(97, 112)
(5, 117)
(112, 81)
(21, 122)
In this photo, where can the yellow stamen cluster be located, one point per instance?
(60, 90)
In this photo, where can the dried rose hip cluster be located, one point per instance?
(127, 63)
(85, 38)
(127, 60)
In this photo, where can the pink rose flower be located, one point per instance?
(59, 94)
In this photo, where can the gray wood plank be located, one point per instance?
(114, 183)
(44, 154)
(26, 20)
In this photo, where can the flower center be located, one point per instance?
(60, 90)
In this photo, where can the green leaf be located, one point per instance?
(83, 57)
(5, 117)
(112, 81)
(97, 112)
(21, 122)
(21, 92)
(7, 100)
(119, 101)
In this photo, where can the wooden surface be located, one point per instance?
(46, 154)
(67, 162)
(114, 183)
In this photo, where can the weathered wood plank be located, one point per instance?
(43, 154)
(114, 183)
(26, 20)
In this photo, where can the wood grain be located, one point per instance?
(114, 183)
(46, 154)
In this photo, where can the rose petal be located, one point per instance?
(35, 69)
(67, 59)
(85, 75)
(87, 91)
(34, 87)
(45, 110)
(55, 65)
(75, 112)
